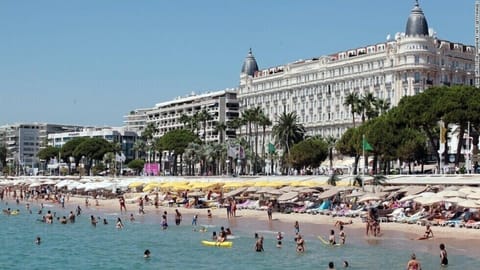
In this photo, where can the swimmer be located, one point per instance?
(119, 224)
(259, 244)
(93, 220)
(279, 239)
(214, 236)
(331, 265)
(132, 218)
(300, 244)
(255, 235)
(342, 235)
(63, 220)
(105, 222)
(146, 254)
(345, 264)
(38, 240)
(413, 264)
(331, 238)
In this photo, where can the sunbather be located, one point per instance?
(342, 223)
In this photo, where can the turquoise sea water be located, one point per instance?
(82, 246)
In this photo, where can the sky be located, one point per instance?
(90, 62)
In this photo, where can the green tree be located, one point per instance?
(308, 153)
(93, 149)
(48, 153)
(3, 155)
(136, 165)
(287, 131)
(176, 141)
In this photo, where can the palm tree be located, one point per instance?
(287, 131)
(379, 180)
(365, 106)
(139, 147)
(358, 180)
(147, 135)
(381, 106)
(192, 157)
(352, 100)
(204, 116)
(331, 141)
(332, 179)
(220, 127)
(265, 122)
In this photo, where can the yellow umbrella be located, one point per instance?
(151, 186)
(276, 184)
(232, 185)
(136, 184)
(204, 185)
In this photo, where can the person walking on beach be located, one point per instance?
(270, 210)
(297, 227)
(209, 214)
(413, 264)
(443, 255)
(140, 206)
(428, 233)
(178, 217)
(121, 200)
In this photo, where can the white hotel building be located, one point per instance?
(316, 88)
(221, 105)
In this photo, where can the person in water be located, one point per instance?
(331, 238)
(146, 254)
(413, 264)
(38, 240)
(279, 239)
(259, 244)
(178, 217)
(93, 220)
(345, 264)
(194, 220)
(119, 224)
(443, 255)
(331, 265)
(300, 244)
(342, 235)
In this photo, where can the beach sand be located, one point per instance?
(458, 240)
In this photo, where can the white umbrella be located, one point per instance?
(452, 193)
(468, 204)
(474, 196)
(453, 199)
(196, 194)
(288, 196)
(428, 200)
(409, 198)
(369, 197)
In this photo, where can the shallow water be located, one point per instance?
(82, 246)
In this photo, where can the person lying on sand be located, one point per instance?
(342, 223)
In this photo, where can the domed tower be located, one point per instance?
(250, 64)
(416, 23)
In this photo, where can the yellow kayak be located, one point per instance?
(217, 244)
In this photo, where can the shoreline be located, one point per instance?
(459, 241)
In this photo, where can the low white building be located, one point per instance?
(119, 135)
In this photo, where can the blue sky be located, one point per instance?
(90, 62)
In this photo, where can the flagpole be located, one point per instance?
(363, 153)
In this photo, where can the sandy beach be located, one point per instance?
(458, 240)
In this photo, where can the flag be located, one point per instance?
(271, 148)
(366, 146)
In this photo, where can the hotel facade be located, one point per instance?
(316, 88)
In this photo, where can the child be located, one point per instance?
(443, 255)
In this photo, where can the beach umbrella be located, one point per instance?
(252, 189)
(453, 199)
(474, 196)
(234, 185)
(369, 197)
(452, 193)
(355, 194)
(136, 184)
(468, 204)
(196, 194)
(287, 196)
(428, 200)
(235, 192)
(408, 198)
(274, 192)
(307, 190)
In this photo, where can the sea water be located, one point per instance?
(83, 246)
